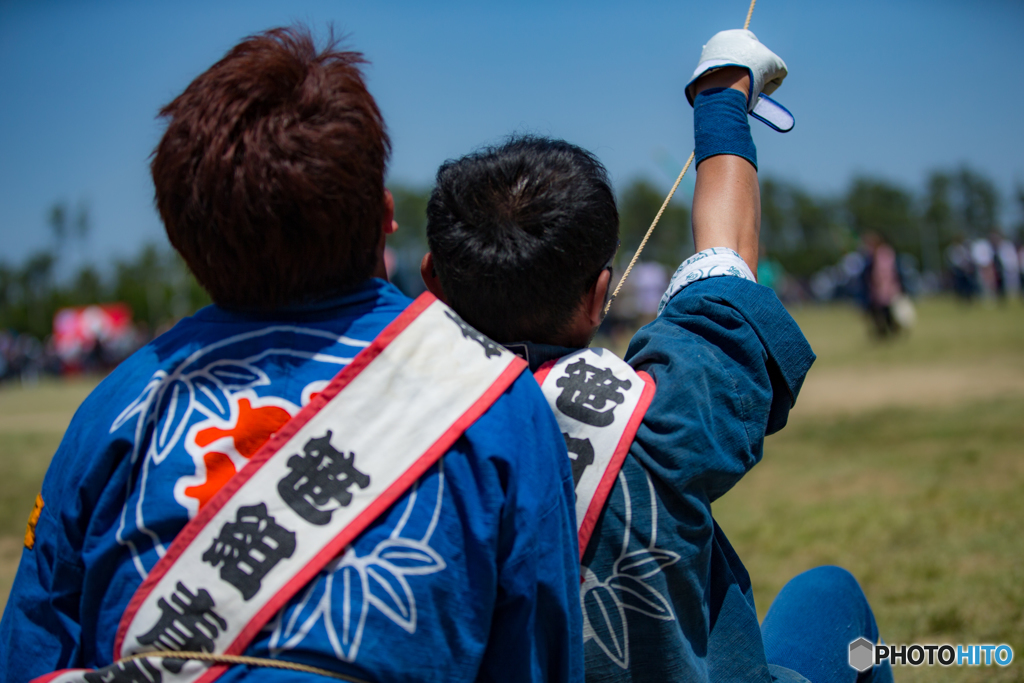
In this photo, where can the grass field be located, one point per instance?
(903, 462)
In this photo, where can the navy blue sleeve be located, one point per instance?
(728, 361)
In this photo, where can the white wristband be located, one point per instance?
(715, 262)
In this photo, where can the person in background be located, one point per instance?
(881, 285)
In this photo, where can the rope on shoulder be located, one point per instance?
(241, 660)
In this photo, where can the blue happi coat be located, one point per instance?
(485, 586)
(665, 597)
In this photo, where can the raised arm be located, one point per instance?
(733, 72)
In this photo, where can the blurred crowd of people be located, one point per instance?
(24, 357)
(986, 268)
(88, 339)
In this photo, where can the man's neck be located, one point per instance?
(538, 354)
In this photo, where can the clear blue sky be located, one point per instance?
(892, 88)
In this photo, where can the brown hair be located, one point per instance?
(270, 175)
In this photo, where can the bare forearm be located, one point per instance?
(727, 207)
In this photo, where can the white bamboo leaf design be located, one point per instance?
(237, 376)
(291, 632)
(409, 557)
(174, 407)
(345, 630)
(646, 562)
(607, 620)
(211, 397)
(638, 596)
(138, 406)
(391, 594)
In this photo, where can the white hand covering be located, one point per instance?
(740, 47)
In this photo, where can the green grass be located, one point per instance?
(946, 332)
(926, 508)
(925, 505)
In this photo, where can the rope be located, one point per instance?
(243, 660)
(650, 230)
(750, 13)
(664, 205)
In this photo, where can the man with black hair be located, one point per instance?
(521, 238)
(310, 471)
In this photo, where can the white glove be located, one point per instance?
(739, 47)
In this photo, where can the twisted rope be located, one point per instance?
(243, 660)
(664, 205)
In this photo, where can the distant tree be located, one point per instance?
(67, 228)
(803, 232)
(672, 240)
(37, 294)
(411, 215)
(960, 203)
(409, 243)
(57, 217)
(873, 204)
(1019, 196)
(938, 225)
(976, 202)
(774, 210)
(87, 287)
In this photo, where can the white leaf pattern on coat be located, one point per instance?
(607, 603)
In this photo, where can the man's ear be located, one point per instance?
(430, 279)
(389, 225)
(598, 297)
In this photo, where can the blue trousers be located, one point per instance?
(812, 622)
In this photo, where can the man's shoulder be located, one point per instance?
(724, 320)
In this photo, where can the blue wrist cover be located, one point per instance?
(720, 125)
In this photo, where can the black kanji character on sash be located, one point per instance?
(323, 475)
(132, 671)
(491, 348)
(249, 547)
(590, 394)
(581, 452)
(190, 625)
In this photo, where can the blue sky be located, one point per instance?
(892, 88)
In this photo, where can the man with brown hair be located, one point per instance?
(314, 469)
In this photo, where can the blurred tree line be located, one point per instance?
(804, 232)
(155, 284)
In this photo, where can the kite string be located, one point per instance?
(664, 205)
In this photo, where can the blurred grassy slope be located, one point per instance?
(903, 462)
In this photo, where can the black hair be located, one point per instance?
(519, 234)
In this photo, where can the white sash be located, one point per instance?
(309, 492)
(599, 402)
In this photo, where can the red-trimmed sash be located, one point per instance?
(599, 402)
(310, 491)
